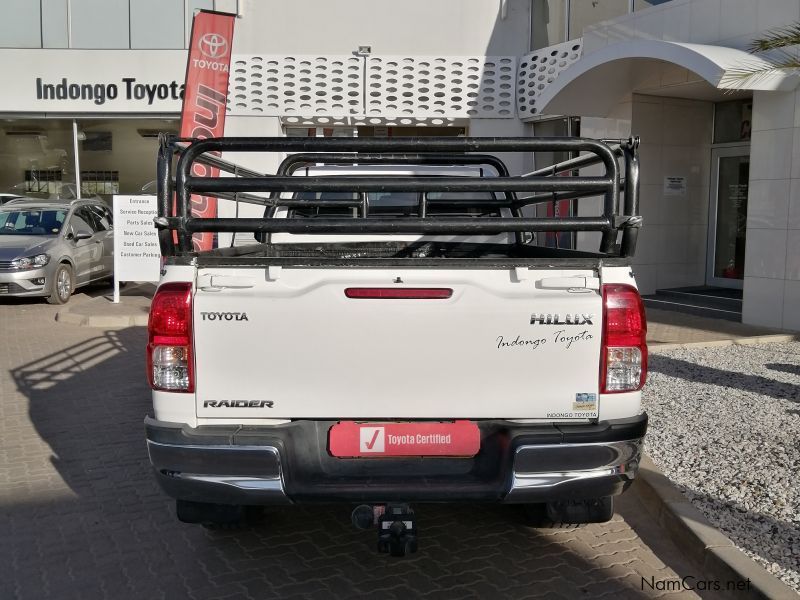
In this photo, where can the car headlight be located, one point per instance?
(31, 262)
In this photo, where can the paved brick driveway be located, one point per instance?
(81, 517)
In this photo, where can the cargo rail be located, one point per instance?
(619, 221)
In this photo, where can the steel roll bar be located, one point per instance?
(438, 151)
(454, 225)
(294, 162)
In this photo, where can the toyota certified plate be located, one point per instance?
(349, 439)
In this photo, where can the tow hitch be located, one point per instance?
(397, 526)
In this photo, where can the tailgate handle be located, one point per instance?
(210, 283)
(559, 283)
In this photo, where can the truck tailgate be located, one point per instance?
(291, 344)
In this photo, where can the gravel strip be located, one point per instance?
(725, 427)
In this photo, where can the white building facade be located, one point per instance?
(720, 192)
(89, 83)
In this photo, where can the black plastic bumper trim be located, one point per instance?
(308, 473)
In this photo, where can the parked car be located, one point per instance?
(50, 247)
(396, 337)
(4, 198)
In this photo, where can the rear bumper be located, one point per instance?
(290, 463)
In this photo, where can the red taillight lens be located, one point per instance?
(400, 293)
(623, 365)
(170, 363)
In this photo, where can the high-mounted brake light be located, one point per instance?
(400, 293)
(623, 365)
(170, 364)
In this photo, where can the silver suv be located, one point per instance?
(49, 248)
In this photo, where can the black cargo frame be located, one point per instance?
(545, 184)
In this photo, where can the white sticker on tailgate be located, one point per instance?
(585, 402)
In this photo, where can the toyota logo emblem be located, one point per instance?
(213, 45)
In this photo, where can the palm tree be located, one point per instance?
(773, 58)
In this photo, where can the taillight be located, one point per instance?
(170, 364)
(390, 293)
(623, 365)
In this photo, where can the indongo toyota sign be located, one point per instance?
(81, 81)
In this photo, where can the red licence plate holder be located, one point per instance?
(351, 439)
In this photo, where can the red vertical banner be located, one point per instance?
(204, 100)
(559, 209)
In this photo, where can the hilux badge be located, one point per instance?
(556, 319)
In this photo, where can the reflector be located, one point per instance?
(399, 293)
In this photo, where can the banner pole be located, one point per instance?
(77, 159)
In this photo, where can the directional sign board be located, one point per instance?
(137, 256)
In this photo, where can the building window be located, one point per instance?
(642, 4)
(86, 16)
(96, 141)
(583, 13)
(125, 166)
(37, 156)
(47, 181)
(39, 160)
(732, 121)
(548, 23)
(556, 21)
(157, 23)
(94, 183)
(20, 26)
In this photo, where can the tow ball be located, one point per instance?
(397, 527)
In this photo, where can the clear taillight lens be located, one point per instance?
(624, 352)
(170, 363)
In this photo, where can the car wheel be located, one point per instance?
(568, 514)
(535, 515)
(62, 285)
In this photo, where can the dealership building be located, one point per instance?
(90, 83)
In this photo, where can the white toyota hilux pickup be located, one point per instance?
(401, 329)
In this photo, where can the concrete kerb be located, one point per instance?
(740, 341)
(689, 529)
(133, 311)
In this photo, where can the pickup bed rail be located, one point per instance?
(541, 186)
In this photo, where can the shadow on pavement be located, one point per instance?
(101, 289)
(118, 536)
(784, 368)
(683, 369)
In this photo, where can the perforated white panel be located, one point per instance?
(361, 121)
(430, 86)
(540, 68)
(296, 85)
(408, 90)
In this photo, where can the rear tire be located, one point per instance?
(567, 514)
(62, 285)
(218, 517)
(535, 515)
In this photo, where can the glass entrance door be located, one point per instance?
(730, 176)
